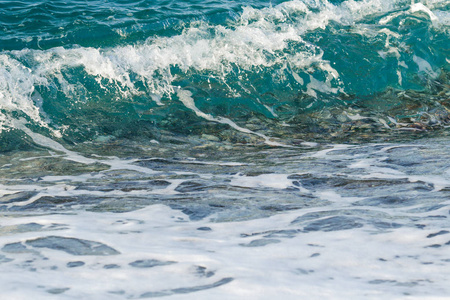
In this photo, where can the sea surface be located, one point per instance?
(225, 149)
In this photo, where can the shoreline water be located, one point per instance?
(204, 149)
(354, 220)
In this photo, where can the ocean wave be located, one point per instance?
(299, 64)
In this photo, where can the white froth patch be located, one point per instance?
(44, 141)
(371, 165)
(276, 181)
(438, 182)
(324, 153)
(16, 89)
(339, 264)
(332, 196)
(425, 67)
(419, 7)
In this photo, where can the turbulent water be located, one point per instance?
(224, 149)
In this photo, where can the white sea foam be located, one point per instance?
(420, 7)
(338, 264)
(425, 67)
(278, 181)
(17, 84)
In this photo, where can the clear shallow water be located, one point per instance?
(224, 150)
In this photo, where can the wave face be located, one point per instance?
(289, 70)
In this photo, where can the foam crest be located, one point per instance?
(217, 50)
(16, 88)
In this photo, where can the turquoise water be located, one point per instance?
(84, 71)
(224, 149)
